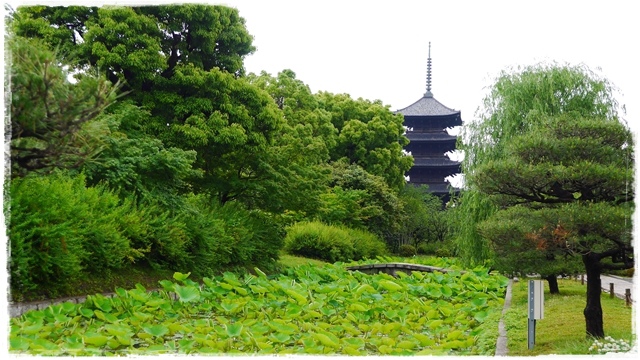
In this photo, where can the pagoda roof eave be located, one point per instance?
(419, 137)
(439, 163)
(428, 106)
(439, 188)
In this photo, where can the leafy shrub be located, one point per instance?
(58, 228)
(406, 250)
(359, 199)
(366, 245)
(625, 272)
(332, 243)
(444, 252)
(228, 236)
(437, 248)
(156, 235)
(427, 248)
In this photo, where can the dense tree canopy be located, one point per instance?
(561, 182)
(51, 118)
(141, 44)
(205, 165)
(137, 164)
(303, 113)
(369, 135)
(516, 101)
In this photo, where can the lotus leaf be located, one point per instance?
(156, 330)
(390, 285)
(180, 276)
(95, 339)
(187, 293)
(118, 329)
(234, 330)
(351, 351)
(385, 349)
(325, 340)
(229, 307)
(231, 279)
(480, 316)
(279, 337)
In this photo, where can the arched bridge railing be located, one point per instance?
(392, 268)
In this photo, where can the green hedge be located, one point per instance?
(332, 243)
(58, 230)
(228, 236)
(62, 232)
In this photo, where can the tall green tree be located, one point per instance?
(424, 221)
(138, 165)
(67, 36)
(302, 112)
(369, 135)
(567, 189)
(524, 244)
(515, 102)
(52, 119)
(303, 146)
(140, 44)
(183, 64)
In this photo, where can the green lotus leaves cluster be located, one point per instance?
(306, 310)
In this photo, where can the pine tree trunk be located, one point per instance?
(553, 284)
(593, 310)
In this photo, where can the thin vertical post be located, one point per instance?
(611, 293)
(532, 333)
(627, 296)
(582, 279)
(531, 325)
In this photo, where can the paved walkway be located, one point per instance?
(620, 285)
(501, 344)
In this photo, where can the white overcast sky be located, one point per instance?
(378, 49)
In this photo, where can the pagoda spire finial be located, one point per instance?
(428, 93)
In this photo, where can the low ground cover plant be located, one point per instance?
(306, 310)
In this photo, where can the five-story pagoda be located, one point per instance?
(427, 121)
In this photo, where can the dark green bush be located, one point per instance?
(332, 243)
(436, 248)
(406, 250)
(366, 245)
(58, 229)
(229, 236)
(444, 252)
(61, 231)
(427, 248)
(164, 235)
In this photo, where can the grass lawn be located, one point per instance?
(292, 260)
(563, 329)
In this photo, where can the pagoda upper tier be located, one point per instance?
(427, 121)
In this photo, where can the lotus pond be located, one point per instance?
(306, 310)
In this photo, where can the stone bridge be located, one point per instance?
(392, 268)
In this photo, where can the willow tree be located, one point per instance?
(566, 190)
(514, 103)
